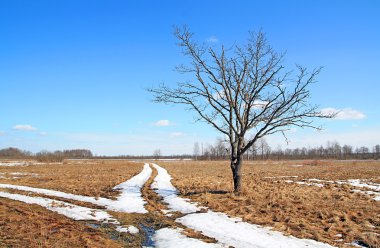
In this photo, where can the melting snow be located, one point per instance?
(130, 199)
(172, 238)
(311, 184)
(360, 184)
(226, 230)
(375, 193)
(129, 229)
(163, 187)
(296, 165)
(17, 174)
(233, 232)
(69, 210)
(281, 177)
(13, 163)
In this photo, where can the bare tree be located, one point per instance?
(157, 153)
(263, 148)
(242, 90)
(376, 151)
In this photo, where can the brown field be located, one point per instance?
(23, 225)
(83, 177)
(318, 213)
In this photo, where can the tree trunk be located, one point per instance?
(236, 173)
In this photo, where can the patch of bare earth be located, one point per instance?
(333, 214)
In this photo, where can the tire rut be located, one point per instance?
(157, 219)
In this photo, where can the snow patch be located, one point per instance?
(129, 229)
(172, 238)
(13, 163)
(281, 177)
(163, 187)
(130, 199)
(17, 175)
(296, 165)
(311, 184)
(69, 210)
(226, 230)
(233, 232)
(358, 183)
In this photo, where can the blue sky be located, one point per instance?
(73, 74)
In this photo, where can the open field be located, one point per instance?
(334, 213)
(23, 224)
(329, 208)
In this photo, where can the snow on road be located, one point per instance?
(226, 230)
(69, 210)
(172, 238)
(233, 232)
(130, 199)
(163, 187)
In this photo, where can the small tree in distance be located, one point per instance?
(243, 91)
(196, 150)
(157, 153)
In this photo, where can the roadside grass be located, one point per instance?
(333, 214)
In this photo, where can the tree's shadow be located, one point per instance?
(214, 192)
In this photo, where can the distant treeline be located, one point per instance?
(262, 151)
(45, 156)
(219, 151)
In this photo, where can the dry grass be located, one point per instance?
(23, 225)
(84, 177)
(299, 210)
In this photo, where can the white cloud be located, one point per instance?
(176, 134)
(162, 123)
(2, 133)
(24, 128)
(344, 114)
(259, 104)
(42, 133)
(213, 39)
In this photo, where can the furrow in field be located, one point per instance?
(226, 230)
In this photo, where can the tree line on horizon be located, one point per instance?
(263, 151)
(45, 156)
(218, 151)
